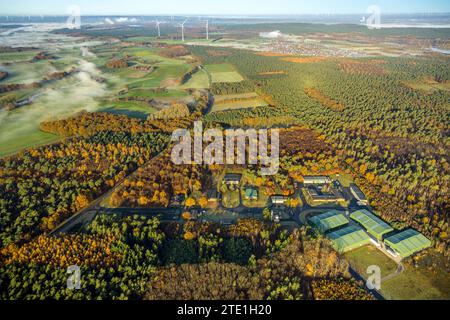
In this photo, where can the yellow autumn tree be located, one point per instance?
(203, 202)
(186, 215)
(81, 201)
(190, 202)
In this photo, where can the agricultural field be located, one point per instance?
(82, 91)
(11, 57)
(199, 80)
(223, 73)
(134, 109)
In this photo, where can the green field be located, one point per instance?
(27, 72)
(20, 128)
(31, 139)
(200, 80)
(166, 76)
(412, 284)
(418, 284)
(133, 109)
(361, 258)
(17, 56)
(152, 94)
(223, 73)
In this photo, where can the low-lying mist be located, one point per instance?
(64, 98)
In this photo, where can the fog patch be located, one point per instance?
(86, 53)
(80, 93)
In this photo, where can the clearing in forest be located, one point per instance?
(324, 100)
(223, 73)
(237, 101)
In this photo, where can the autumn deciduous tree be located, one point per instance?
(203, 202)
(190, 202)
(81, 202)
(186, 215)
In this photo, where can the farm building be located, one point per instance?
(406, 243)
(348, 238)
(329, 221)
(358, 194)
(376, 227)
(318, 180)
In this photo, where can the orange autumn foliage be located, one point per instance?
(64, 251)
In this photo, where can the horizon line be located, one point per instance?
(221, 14)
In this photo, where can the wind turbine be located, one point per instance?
(182, 29)
(158, 23)
(207, 29)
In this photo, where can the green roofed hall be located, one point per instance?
(329, 221)
(407, 242)
(373, 225)
(349, 238)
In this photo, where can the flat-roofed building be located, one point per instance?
(374, 226)
(309, 180)
(406, 243)
(328, 221)
(329, 195)
(348, 238)
(278, 199)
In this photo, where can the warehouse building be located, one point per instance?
(374, 226)
(406, 243)
(348, 238)
(328, 221)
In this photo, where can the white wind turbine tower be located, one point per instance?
(182, 29)
(207, 29)
(158, 23)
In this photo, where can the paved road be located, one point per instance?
(399, 271)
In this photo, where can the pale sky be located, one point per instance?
(235, 7)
